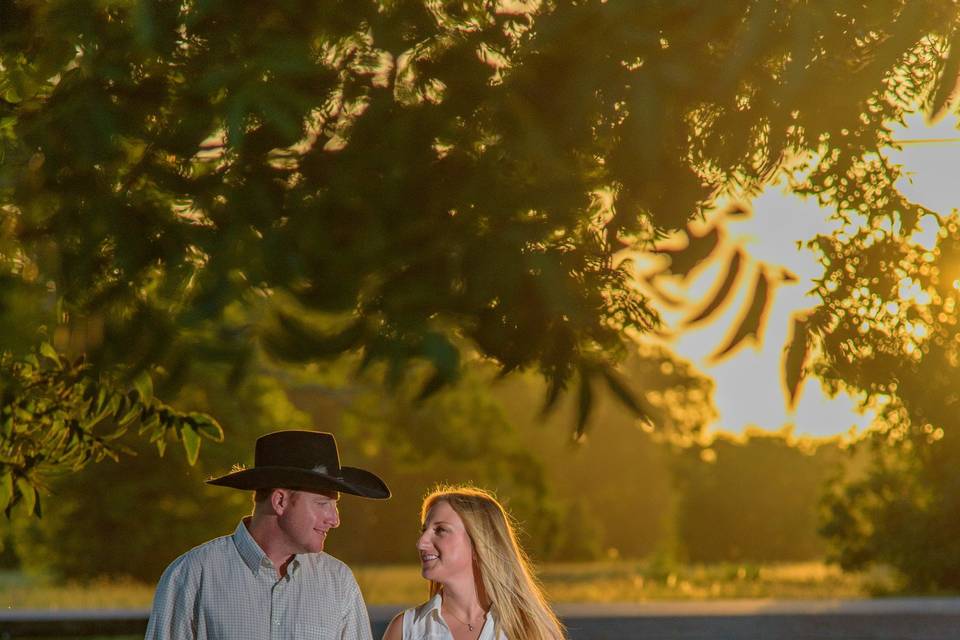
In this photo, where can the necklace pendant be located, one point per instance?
(469, 627)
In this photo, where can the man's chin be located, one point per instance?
(315, 547)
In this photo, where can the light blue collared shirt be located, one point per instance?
(228, 589)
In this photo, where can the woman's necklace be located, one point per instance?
(468, 624)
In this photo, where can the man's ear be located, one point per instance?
(280, 500)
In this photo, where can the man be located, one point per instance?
(271, 579)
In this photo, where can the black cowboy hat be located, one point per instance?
(305, 460)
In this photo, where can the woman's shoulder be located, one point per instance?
(395, 628)
(409, 622)
(418, 613)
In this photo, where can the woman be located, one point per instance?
(481, 585)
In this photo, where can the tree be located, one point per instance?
(901, 511)
(57, 416)
(471, 431)
(752, 499)
(613, 479)
(410, 180)
(154, 509)
(893, 339)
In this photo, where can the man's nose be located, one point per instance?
(334, 518)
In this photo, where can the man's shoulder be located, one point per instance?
(201, 554)
(212, 547)
(327, 561)
(326, 564)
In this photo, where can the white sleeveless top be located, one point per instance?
(426, 623)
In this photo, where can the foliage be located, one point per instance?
(156, 509)
(902, 510)
(152, 509)
(699, 249)
(904, 357)
(753, 500)
(182, 181)
(461, 434)
(613, 480)
(469, 432)
(888, 324)
(54, 416)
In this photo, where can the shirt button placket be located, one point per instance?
(277, 610)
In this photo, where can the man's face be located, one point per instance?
(307, 519)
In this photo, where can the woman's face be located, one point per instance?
(446, 552)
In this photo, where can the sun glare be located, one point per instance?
(748, 389)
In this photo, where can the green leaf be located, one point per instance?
(556, 384)
(584, 404)
(130, 410)
(446, 362)
(47, 351)
(149, 421)
(100, 402)
(433, 384)
(143, 383)
(629, 399)
(437, 348)
(6, 488)
(191, 443)
(113, 404)
(10, 94)
(296, 341)
(206, 426)
(27, 493)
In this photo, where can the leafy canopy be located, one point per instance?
(191, 180)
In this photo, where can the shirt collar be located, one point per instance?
(253, 556)
(431, 606)
(251, 553)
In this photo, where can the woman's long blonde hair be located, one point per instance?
(505, 582)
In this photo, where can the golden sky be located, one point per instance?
(749, 383)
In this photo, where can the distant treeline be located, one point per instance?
(623, 490)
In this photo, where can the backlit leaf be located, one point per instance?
(752, 321)
(633, 401)
(584, 404)
(794, 359)
(206, 426)
(722, 292)
(948, 83)
(47, 350)
(191, 443)
(699, 247)
(143, 383)
(27, 494)
(6, 488)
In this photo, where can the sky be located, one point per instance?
(749, 389)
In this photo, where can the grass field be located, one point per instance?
(621, 581)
